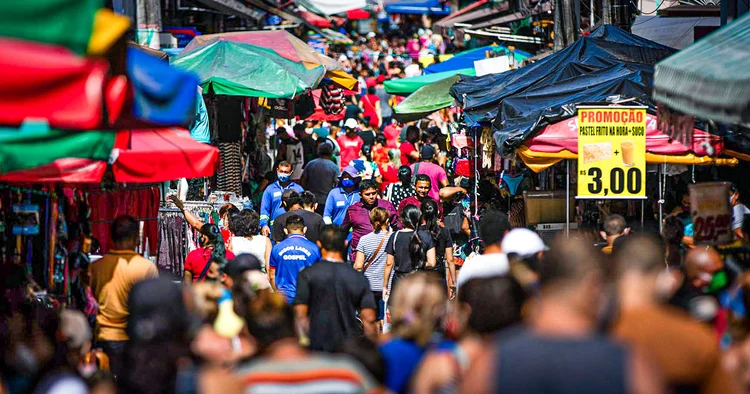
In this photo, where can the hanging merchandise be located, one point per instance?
(26, 219)
(304, 105)
(230, 177)
(332, 100)
(488, 148)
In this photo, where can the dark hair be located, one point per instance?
(492, 227)
(231, 213)
(333, 239)
(568, 261)
(404, 175)
(245, 224)
(225, 208)
(411, 217)
(422, 178)
(284, 163)
(412, 134)
(380, 139)
(124, 228)
(639, 252)
(298, 128)
(430, 212)
(495, 303)
(371, 90)
(307, 199)
(615, 225)
(290, 198)
(269, 319)
(294, 222)
(216, 241)
(367, 353)
(325, 149)
(367, 152)
(367, 184)
(673, 231)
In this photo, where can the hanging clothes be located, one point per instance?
(142, 204)
(229, 178)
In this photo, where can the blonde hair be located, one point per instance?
(206, 297)
(417, 306)
(394, 156)
(379, 218)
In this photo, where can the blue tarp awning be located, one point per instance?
(430, 7)
(467, 59)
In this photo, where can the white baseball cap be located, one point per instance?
(350, 123)
(522, 242)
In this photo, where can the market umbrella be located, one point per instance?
(426, 100)
(283, 44)
(337, 38)
(466, 59)
(710, 78)
(139, 156)
(407, 86)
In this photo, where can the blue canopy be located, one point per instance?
(466, 59)
(430, 7)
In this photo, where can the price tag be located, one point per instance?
(611, 152)
(712, 215)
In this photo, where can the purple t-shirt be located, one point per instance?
(436, 174)
(358, 220)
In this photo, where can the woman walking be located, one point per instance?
(409, 250)
(247, 238)
(441, 237)
(371, 256)
(397, 191)
(203, 263)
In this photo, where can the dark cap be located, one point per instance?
(427, 152)
(241, 264)
(157, 311)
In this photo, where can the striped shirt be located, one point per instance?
(316, 374)
(367, 245)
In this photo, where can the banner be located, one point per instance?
(712, 215)
(611, 152)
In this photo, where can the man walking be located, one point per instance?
(426, 166)
(321, 175)
(493, 225)
(342, 197)
(357, 216)
(329, 295)
(111, 279)
(292, 202)
(422, 187)
(270, 204)
(291, 256)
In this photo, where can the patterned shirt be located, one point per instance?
(395, 193)
(368, 245)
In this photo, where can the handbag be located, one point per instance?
(375, 255)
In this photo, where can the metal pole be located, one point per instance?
(591, 16)
(643, 209)
(567, 198)
(661, 199)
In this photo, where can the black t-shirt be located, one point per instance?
(308, 149)
(313, 221)
(352, 110)
(333, 293)
(368, 136)
(399, 249)
(443, 241)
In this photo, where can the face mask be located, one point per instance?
(347, 183)
(283, 177)
(718, 282)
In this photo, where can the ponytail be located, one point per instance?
(411, 217)
(216, 241)
(430, 213)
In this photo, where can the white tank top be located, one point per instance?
(255, 246)
(296, 157)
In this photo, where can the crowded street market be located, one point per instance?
(374, 196)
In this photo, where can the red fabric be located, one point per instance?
(392, 133)
(315, 19)
(390, 175)
(406, 149)
(196, 261)
(350, 148)
(141, 204)
(320, 114)
(161, 155)
(62, 170)
(564, 135)
(357, 14)
(52, 83)
(368, 102)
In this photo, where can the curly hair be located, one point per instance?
(245, 224)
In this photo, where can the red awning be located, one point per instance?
(354, 15)
(141, 156)
(463, 10)
(315, 19)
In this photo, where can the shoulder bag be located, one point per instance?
(375, 255)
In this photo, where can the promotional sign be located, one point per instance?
(611, 152)
(712, 215)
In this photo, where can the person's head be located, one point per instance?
(308, 201)
(571, 274)
(299, 130)
(235, 270)
(525, 249)
(269, 320)
(284, 172)
(394, 157)
(366, 152)
(283, 133)
(380, 140)
(422, 185)
(493, 225)
(210, 236)
(350, 126)
(417, 307)
(427, 153)
(412, 134)
(404, 174)
(684, 201)
(125, 232)
(290, 199)
(368, 192)
(639, 267)
(349, 179)
(325, 150)
(295, 225)
(332, 241)
(673, 230)
(734, 194)
(76, 333)
(224, 211)
(226, 221)
(431, 216)
(614, 226)
(379, 218)
(701, 265)
(245, 224)
(371, 90)
(488, 305)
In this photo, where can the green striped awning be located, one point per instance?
(710, 79)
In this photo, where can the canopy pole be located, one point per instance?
(643, 213)
(567, 198)
(661, 199)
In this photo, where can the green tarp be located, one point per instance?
(62, 22)
(36, 145)
(710, 79)
(237, 69)
(407, 86)
(426, 100)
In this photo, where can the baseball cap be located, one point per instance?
(240, 264)
(351, 171)
(371, 34)
(351, 123)
(427, 152)
(381, 78)
(523, 242)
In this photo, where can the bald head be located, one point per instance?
(701, 264)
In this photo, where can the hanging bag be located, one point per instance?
(375, 255)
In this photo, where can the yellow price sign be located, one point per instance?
(611, 152)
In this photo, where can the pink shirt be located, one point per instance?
(436, 174)
(350, 148)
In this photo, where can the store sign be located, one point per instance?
(712, 215)
(611, 152)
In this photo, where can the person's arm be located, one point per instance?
(436, 370)
(480, 378)
(389, 260)
(431, 258)
(379, 112)
(451, 271)
(301, 304)
(346, 225)
(281, 152)
(328, 209)
(188, 277)
(269, 247)
(414, 154)
(446, 193)
(272, 278)
(369, 321)
(303, 179)
(303, 320)
(265, 213)
(192, 220)
(359, 261)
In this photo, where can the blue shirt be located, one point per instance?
(288, 258)
(270, 204)
(337, 203)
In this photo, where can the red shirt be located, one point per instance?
(413, 200)
(350, 148)
(406, 148)
(196, 261)
(390, 175)
(392, 132)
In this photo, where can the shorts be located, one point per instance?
(380, 312)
